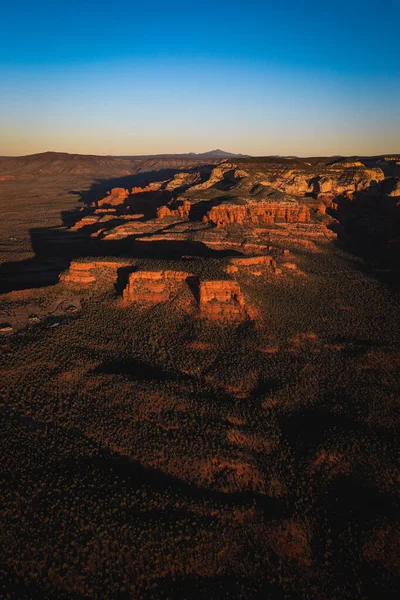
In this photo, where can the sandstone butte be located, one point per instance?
(222, 300)
(153, 287)
(82, 274)
(218, 300)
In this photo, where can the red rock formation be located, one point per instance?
(263, 213)
(250, 261)
(7, 177)
(231, 269)
(85, 221)
(222, 300)
(78, 274)
(116, 197)
(347, 180)
(335, 179)
(153, 287)
(181, 180)
(82, 274)
(223, 171)
(181, 211)
(151, 187)
(105, 211)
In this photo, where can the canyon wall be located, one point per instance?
(258, 213)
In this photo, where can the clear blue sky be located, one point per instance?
(258, 77)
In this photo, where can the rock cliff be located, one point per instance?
(153, 287)
(86, 273)
(262, 213)
(222, 301)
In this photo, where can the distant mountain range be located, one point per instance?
(221, 154)
(62, 163)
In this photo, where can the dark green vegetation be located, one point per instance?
(147, 453)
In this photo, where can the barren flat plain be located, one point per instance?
(199, 377)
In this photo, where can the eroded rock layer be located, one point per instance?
(258, 214)
(222, 300)
(153, 287)
(86, 273)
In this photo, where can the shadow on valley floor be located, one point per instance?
(56, 247)
(136, 370)
(121, 472)
(369, 227)
(165, 499)
(146, 202)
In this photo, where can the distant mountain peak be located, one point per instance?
(218, 153)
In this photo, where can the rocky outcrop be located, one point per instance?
(302, 178)
(224, 172)
(86, 222)
(289, 182)
(86, 273)
(78, 274)
(7, 177)
(222, 301)
(182, 180)
(250, 261)
(347, 181)
(258, 213)
(151, 187)
(116, 197)
(218, 300)
(153, 287)
(178, 210)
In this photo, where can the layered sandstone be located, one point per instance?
(258, 213)
(153, 287)
(83, 274)
(250, 261)
(78, 274)
(222, 300)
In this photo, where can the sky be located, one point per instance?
(260, 77)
